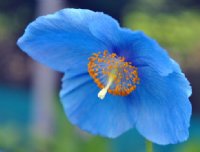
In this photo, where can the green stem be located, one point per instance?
(149, 146)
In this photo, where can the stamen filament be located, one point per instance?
(102, 92)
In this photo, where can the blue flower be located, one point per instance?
(114, 79)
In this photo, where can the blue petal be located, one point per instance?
(144, 51)
(109, 117)
(176, 67)
(106, 29)
(186, 84)
(65, 39)
(162, 106)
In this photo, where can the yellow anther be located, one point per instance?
(121, 76)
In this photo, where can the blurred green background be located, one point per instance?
(29, 124)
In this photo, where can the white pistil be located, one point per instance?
(102, 92)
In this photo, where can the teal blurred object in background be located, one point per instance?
(176, 26)
(18, 112)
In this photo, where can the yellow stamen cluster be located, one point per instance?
(112, 74)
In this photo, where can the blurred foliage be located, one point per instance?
(5, 29)
(179, 32)
(14, 16)
(162, 6)
(9, 137)
(191, 146)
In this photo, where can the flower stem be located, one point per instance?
(149, 146)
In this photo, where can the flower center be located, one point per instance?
(112, 74)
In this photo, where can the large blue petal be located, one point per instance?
(141, 50)
(162, 106)
(185, 85)
(109, 117)
(107, 31)
(66, 38)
